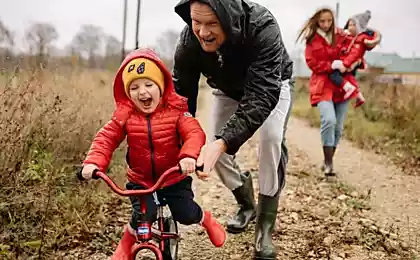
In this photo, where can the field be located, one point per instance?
(50, 117)
(47, 122)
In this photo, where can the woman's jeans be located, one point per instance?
(332, 121)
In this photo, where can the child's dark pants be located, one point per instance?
(179, 197)
(337, 78)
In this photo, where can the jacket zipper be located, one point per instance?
(152, 149)
(219, 58)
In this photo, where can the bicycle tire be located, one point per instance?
(171, 245)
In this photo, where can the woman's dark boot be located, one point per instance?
(328, 160)
(266, 219)
(323, 165)
(244, 195)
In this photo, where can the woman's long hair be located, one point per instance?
(309, 29)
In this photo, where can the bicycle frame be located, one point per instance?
(144, 231)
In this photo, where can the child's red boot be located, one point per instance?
(123, 251)
(360, 100)
(215, 231)
(349, 89)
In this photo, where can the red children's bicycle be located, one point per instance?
(165, 235)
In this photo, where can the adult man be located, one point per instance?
(237, 45)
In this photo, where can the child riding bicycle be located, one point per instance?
(160, 134)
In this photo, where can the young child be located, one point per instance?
(359, 40)
(155, 121)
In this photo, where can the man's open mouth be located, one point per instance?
(208, 41)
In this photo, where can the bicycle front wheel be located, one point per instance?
(171, 245)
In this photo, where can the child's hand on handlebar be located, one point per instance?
(187, 165)
(88, 170)
(199, 170)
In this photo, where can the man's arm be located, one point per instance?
(287, 65)
(186, 73)
(262, 88)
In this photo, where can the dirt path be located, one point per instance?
(395, 197)
(316, 220)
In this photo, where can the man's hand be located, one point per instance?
(209, 155)
(88, 170)
(187, 165)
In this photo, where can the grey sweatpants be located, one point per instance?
(271, 171)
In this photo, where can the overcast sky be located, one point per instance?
(398, 20)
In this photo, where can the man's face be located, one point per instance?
(206, 27)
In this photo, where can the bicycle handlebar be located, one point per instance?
(114, 187)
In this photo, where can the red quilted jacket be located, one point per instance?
(355, 48)
(153, 140)
(319, 55)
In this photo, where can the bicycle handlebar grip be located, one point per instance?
(94, 175)
(79, 175)
(199, 168)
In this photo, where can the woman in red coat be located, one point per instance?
(155, 121)
(323, 44)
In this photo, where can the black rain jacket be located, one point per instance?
(249, 67)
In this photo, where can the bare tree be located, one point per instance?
(6, 44)
(112, 46)
(112, 52)
(166, 44)
(72, 54)
(6, 36)
(40, 37)
(88, 42)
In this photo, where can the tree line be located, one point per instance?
(90, 47)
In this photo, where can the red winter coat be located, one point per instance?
(153, 140)
(355, 48)
(319, 55)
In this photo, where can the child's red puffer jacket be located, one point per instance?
(153, 140)
(355, 47)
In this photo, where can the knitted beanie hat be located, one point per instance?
(361, 20)
(142, 68)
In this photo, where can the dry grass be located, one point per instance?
(388, 122)
(47, 121)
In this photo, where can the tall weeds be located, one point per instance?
(47, 121)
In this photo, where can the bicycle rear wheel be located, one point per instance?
(171, 245)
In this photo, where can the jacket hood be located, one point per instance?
(230, 14)
(120, 96)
